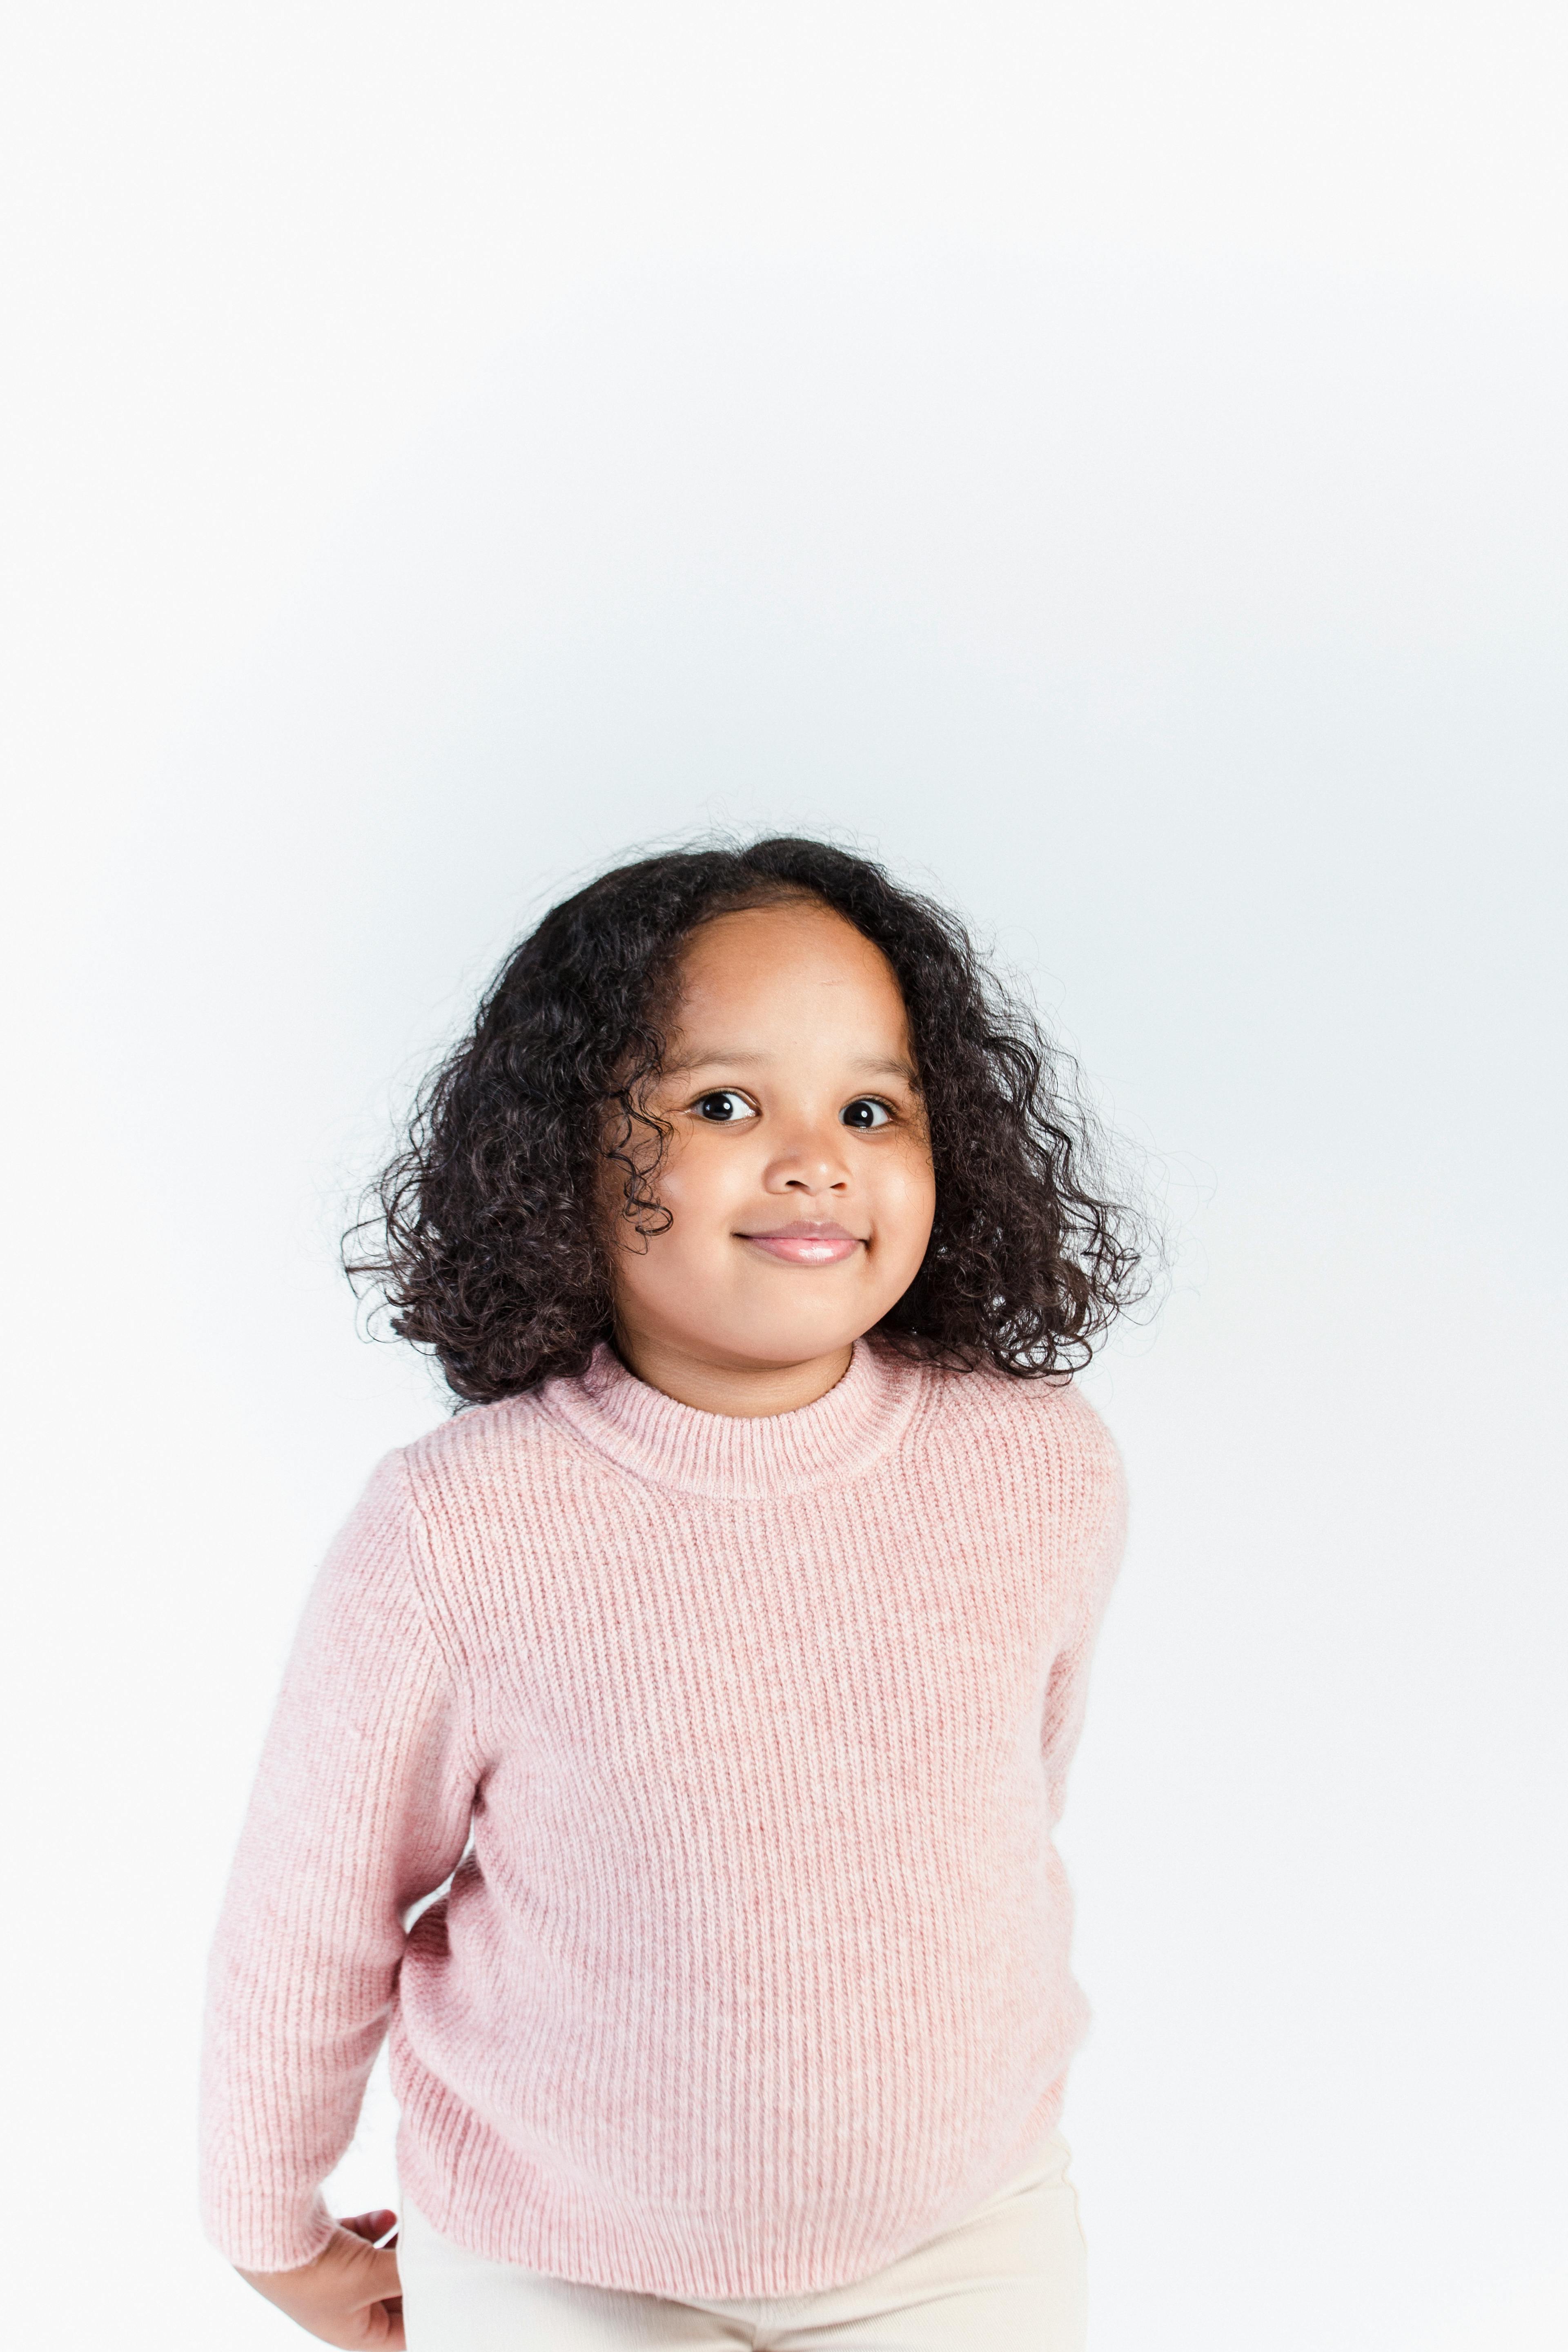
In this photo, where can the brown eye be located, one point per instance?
(723, 1107)
(866, 1111)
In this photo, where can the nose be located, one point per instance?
(811, 1161)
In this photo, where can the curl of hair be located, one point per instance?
(490, 1219)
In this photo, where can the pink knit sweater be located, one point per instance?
(745, 1740)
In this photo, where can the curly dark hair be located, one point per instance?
(492, 1250)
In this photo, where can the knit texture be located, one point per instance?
(742, 1742)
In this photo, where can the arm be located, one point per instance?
(362, 1805)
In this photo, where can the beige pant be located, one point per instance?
(1010, 2277)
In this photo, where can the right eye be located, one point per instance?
(723, 1107)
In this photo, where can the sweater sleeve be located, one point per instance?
(1103, 1541)
(362, 1805)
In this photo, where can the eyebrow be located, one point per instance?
(879, 1065)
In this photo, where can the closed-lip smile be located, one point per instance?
(805, 1241)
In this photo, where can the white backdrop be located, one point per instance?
(1107, 462)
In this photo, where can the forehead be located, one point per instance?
(792, 965)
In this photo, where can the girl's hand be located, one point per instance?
(350, 2294)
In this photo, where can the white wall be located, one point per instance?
(1109, 462)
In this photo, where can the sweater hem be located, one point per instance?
(632, 2254)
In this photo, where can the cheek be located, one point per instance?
(909, 1202)
(696, 1181)
(702, 1183)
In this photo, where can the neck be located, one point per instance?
(747, 1390)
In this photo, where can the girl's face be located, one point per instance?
(798, 1175)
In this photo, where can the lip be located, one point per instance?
(806, 1242)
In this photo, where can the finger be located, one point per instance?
(367, 2277)
(384, 2327)
(378, 2281)
(369, 2225)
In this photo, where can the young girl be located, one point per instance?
(719, 1664)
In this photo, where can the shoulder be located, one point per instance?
(1044, 1414)
(1036, 1438)
(466, 1493)
(473, 1443)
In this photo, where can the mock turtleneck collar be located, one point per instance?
(741, 1457)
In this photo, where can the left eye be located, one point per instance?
(723, 1107)
(866, 1111)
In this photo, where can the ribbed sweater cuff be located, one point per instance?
(258, 2233)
